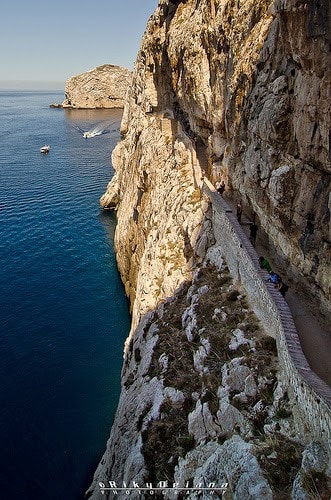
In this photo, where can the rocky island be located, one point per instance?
(102, 87)
(216, 391)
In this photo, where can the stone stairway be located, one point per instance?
(202, 158)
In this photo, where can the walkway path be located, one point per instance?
(314, 332)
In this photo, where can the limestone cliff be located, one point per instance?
(101, 87)
(250, 81)
(224, 89)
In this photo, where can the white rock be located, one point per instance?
(200, 355)
(238, 338)
(233, 462)
(229, 417)
(177, 397)
(236, 376)
(250, 388)
(163, 362)
(201, 423)
(314, 458)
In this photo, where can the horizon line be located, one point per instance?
(31, 85)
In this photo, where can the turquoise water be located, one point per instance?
(63, 313)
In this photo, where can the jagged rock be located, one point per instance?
(314, 463)
(233, 463)
(176, 397)
(110, 198)
(163, 362)
(102, 87)
(238, 339)
(201, 423)
(135, 410)
(229, 417)
(135, 463)
(243, 471)
(200, 356)
(215, 256)
(194, 463)
(234, 375)
(250, 388)
(189, 320)
(314, 459)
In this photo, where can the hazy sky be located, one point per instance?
(43, 43)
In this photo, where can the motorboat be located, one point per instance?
(92, 133)
(45, 149)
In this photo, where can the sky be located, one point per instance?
(43, 43)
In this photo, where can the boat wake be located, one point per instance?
(94, 131)
(100, 129)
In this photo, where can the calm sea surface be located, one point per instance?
(63, 313)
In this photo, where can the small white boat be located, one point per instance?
(45, 149)
(92, 133)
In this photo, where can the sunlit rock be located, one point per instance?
(102, 87)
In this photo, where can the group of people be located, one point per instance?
(273, 277)
(253, 228)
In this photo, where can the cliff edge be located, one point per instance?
(236, 91)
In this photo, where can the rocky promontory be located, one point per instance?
(102, 87)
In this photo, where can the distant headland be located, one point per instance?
(99, 88)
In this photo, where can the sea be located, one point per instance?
(63, 313)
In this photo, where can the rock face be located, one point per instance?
(226, 420)
(235, 90)
(172, 411)
(101, 87)
(250, 82)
